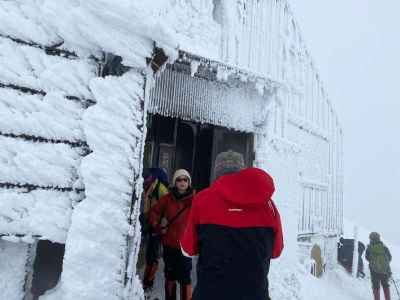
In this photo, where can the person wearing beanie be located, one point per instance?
(174, 208)
(155, 187)
(379, 258)
(228, 162)
(235, 228)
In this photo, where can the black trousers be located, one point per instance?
(177, 266)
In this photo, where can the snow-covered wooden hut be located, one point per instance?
(92, 91)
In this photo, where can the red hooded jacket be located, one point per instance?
(235, 228)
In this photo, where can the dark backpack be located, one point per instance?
(378, 259)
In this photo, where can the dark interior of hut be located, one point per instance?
(47, 267)
(172, 144)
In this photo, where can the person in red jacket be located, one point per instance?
(235, 229)
(174, 208)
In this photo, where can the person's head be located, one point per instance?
(152, 174)
(374, 237)
(228, 162)
(182, 180)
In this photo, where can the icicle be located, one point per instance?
(193, 96)
(206, 98)
(173, 96)
(189, 90)
(178, 94)
(174, 99)
(183, 90)
(207, 112)
(194, 65)
(155, 104)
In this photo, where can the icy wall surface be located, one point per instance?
(12, 269)
(42, 98)
(97, 242)
(44, 213)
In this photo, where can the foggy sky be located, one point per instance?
(356, 47)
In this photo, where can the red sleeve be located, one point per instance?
(189, 240)
(157, 211)
(278, 243)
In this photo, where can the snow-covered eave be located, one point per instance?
(224, 71)
(324, 233)
(231, 73)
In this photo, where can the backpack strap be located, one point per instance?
(174, 218)
(157, 189)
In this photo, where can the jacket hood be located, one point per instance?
(248, 187)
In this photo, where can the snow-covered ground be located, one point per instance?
(289, 280)
(363, 234)
(339, 284)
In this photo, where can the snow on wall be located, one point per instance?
(30, 67)
(22, 214)
(24, 20)
(280, 160)
(263, 36)
(43, 93)
(97, 240)
(251, 34)
(12, 269)
(42, 164)
(48, 116)
(284, 158)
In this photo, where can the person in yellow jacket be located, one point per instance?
(155, 187)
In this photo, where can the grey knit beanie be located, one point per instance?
(228, 162)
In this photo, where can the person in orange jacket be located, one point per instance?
(174, 208)
(235, 229)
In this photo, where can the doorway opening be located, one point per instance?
(47, 267)
(173, 143)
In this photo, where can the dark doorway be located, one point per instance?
(172, 143)
(47, 267)
(203, 155)
(345, 255)
(185, 146)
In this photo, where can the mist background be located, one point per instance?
(356, 48)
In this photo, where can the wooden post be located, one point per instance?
(355, 252)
